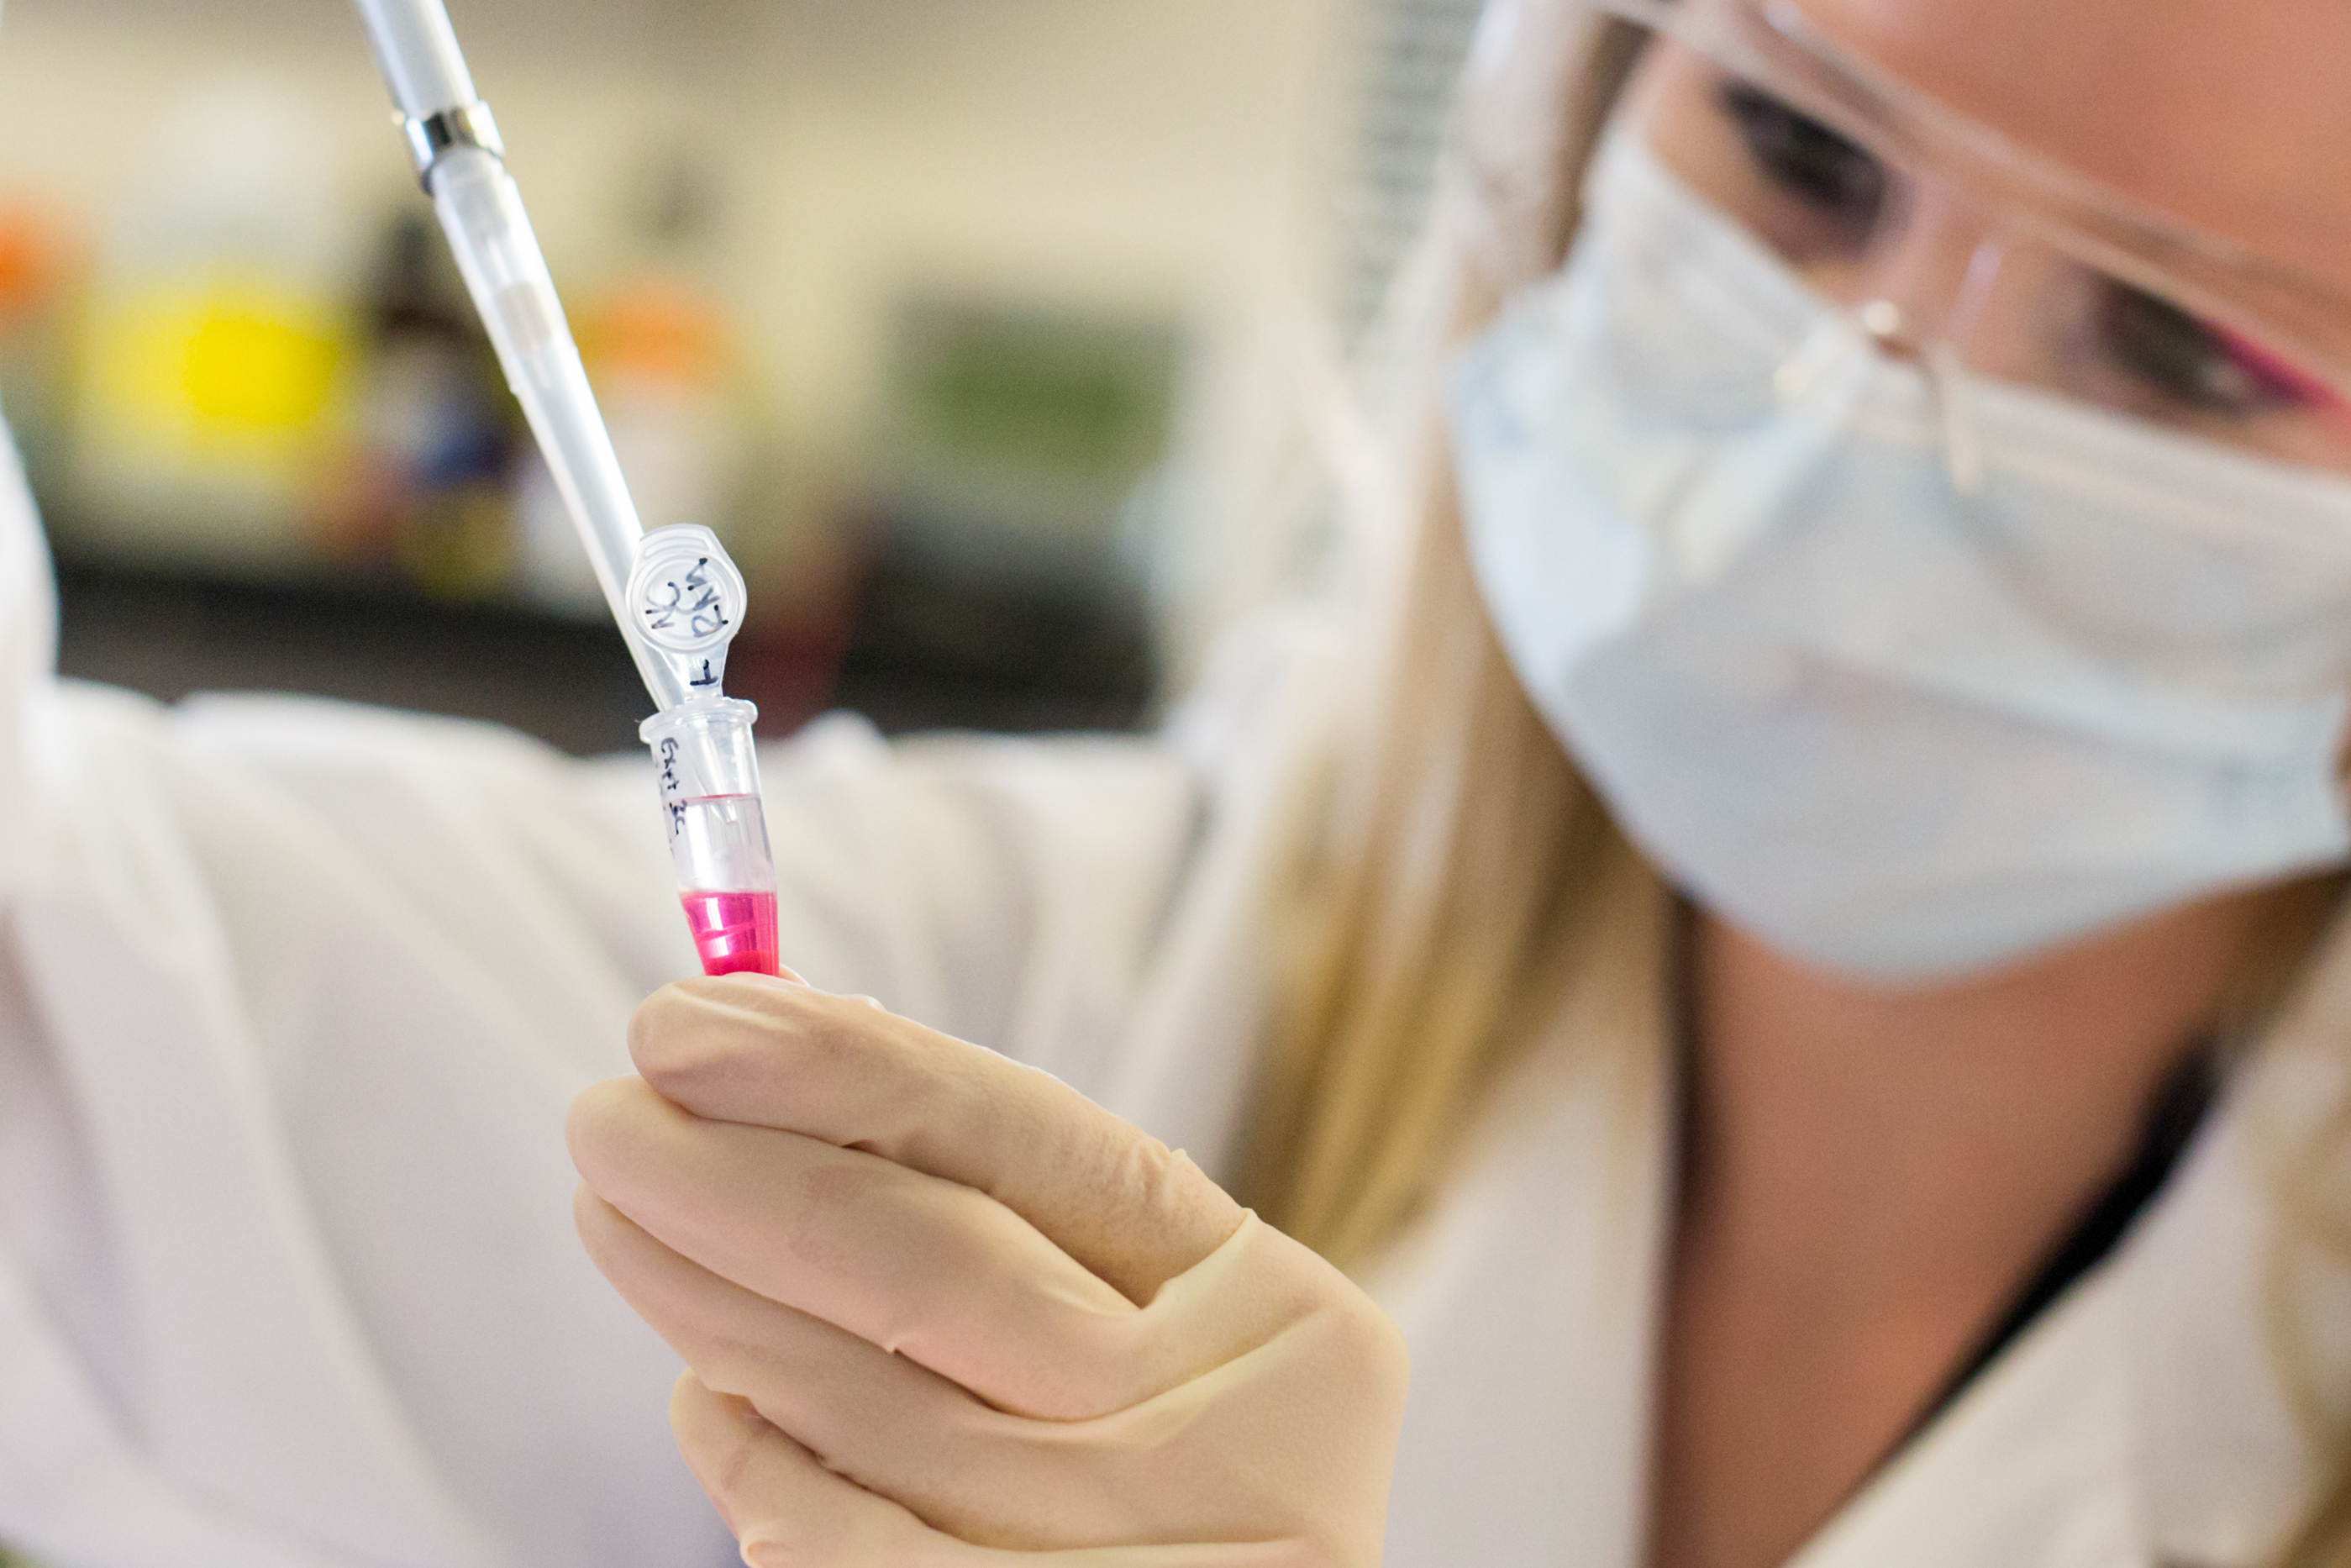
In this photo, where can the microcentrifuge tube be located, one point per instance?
(717, 832)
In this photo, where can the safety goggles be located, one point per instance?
(1943, 240)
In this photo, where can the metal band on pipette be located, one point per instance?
(437, 134)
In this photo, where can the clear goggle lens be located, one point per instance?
(1947, 240)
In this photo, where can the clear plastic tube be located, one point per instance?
(676, 597)
(717, 832)
(490, 234)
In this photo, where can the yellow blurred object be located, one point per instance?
(233, 373)
(216, 387)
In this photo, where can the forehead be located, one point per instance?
(2233, 115)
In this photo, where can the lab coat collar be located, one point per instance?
(2228, 1464)
(2141, 1420)
(2147, 1418)
(1530, 1296)
(2223, 1468)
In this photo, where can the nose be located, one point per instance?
(1928, 287)
(1943, 271)
(1939, 269)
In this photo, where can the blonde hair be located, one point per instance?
(1428, 932)
(1467, 878)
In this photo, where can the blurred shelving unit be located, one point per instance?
(1413, 53)
(873, 180)
(566, 680)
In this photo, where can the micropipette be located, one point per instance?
(676, 595)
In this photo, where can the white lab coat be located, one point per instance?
(293, 996)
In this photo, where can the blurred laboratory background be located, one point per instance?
(983, 330)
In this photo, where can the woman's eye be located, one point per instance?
(2188, 363)
(1805, 158)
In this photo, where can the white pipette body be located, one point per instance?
(461, 164)
(481, 211)
(676, 597)
(417, 51)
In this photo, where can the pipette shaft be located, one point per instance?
(461, 161)
(676, 597)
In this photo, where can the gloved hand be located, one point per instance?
(939, 1307)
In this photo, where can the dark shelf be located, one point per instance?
(571, 683)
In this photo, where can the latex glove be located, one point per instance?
(939, 1307)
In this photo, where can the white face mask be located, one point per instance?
(1896, 730)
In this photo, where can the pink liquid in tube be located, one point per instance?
(717, 832)
(734, 931)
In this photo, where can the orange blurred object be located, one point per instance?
(33, 254)
(660, 328)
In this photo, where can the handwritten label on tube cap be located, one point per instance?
(684, 595)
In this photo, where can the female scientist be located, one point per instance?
(1799, 977)
(1916, 516)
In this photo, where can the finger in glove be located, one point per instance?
(840, 1071)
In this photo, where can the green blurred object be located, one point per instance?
(1011, 553)
(1013, 435)
(1048, 394)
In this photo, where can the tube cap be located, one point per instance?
(685, 600)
